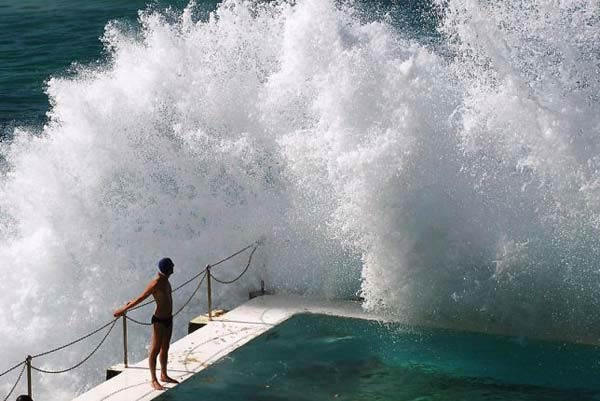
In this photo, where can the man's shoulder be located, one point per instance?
(161, 281)
(153, 282)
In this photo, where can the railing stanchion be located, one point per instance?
(125, 340)
(209, 291)
(28, 362)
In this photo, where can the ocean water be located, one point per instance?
(438, 158)
(42, 39)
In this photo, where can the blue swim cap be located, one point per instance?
(165, 266)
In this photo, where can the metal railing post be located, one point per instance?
(125, 340)
(28, 362)
(209, 290)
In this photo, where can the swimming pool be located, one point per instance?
(319, 357)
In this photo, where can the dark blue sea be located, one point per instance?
(44, 38)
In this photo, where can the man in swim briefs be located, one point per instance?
(162, 320)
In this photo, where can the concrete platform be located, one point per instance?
(205, 346)
(202, 320)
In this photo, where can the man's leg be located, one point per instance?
(164, 356)
(157, 339)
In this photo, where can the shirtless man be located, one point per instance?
(162, 320)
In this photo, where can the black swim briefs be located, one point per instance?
(167, 322)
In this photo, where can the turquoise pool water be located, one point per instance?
(317, 357)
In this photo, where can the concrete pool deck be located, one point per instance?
(223, 335)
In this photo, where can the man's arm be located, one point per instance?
(149, 289)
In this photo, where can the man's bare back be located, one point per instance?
(162, 320)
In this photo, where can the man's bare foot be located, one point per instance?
(167, 379)
(156, 385)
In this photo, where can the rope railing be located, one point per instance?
(205, 272)
(84, 360)
(17, 381)
(255, 244)
(191, 296)
(181, 308)
(11, 369)
(206, 275)
(74, 342)
(175, 290)
(240, 275)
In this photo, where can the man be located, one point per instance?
(162, 320)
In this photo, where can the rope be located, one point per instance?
(152, 301)
(11, 369)
(17, 382)
(254, 244)
(240, 275)
(84, 360)
(191, 296)
(190, 280)
(142, 305)
(75, 341)
(181, 286)
(181, 308)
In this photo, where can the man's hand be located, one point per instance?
(121, 311)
